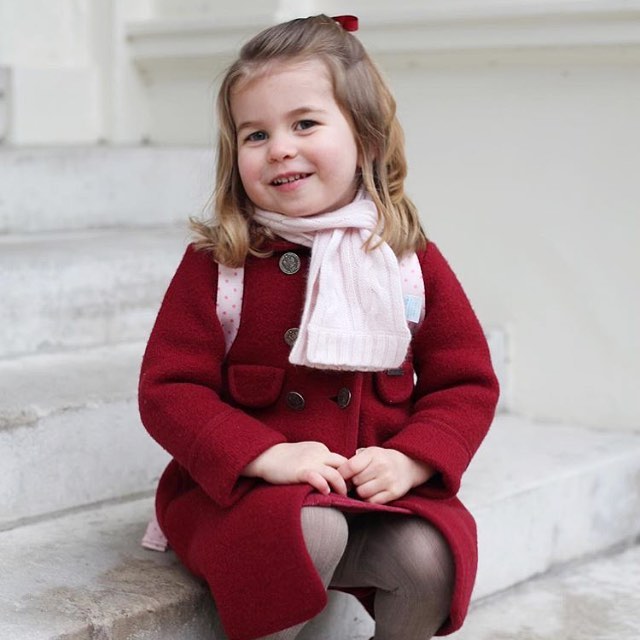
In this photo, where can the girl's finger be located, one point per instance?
(335, 460)
(364, 476)
(381, 498)
(369, 489)
(317, 481)
(354, 465)
(338, 483)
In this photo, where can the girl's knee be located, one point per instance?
(423, 557)
(326, 533)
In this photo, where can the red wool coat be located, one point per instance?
(214, 414)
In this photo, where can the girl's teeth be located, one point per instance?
(278, 181)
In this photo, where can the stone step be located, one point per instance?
(543, 495)
(73, 416)
(83, 288)
(94, 187)
(598, 600)
(85, 577)
(70, 434)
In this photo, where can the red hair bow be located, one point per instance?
(348, 23)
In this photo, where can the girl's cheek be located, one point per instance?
(243, 166)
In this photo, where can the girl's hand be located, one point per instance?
(298, 462)
(382, 475)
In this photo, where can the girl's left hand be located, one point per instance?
(382, 475)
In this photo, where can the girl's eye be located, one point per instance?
(306, 124)
(256, 136)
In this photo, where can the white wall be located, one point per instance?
(65, 72)
(46, 52)
(526, 173)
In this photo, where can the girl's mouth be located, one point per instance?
(294, 177)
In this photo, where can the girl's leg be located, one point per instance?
(410, 564)
(325, 534)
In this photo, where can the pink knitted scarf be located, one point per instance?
(353, 317)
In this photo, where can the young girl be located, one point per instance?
(322, 447)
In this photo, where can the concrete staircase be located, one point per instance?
(595, 600)
(91, 239)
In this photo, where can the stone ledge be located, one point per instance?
(432, 28)
(85, 575)
(70, 434)
(83, 288)
(44, 385)
(599, 599)
(546, 494)
(98, 186)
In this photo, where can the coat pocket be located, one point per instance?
(253, 385)
(394, 386)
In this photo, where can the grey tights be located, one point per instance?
(325, 533)
(404, 558)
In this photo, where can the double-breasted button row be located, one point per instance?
(289, 263)
(297, 402)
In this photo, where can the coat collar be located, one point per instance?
(280, 245)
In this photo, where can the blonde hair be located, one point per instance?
(363, 96)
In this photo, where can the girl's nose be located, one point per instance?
(281, 147)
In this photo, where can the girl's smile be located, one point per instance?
(289, 180)
(297, 154)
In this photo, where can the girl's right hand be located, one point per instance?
(299, 462)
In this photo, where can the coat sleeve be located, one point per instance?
(456, 389)
(180, 382)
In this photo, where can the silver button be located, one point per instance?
(344, 398)
(291, 335)
(289, 263)
(295, 401)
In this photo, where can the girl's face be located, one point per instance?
(297, 154)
